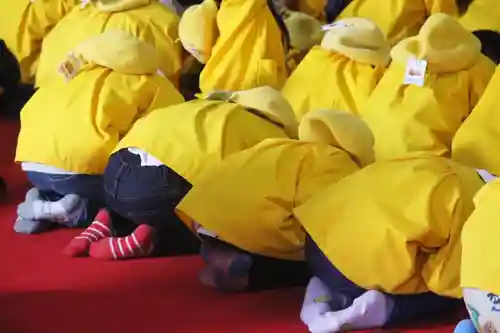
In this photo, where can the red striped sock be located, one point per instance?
(138, 244)
(98, 230)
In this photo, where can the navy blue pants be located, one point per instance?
(148, 195)
(53, 187)
(407, 308)
(270, 273)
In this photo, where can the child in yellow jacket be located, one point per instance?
(342, 72)
(161, 158)
(479, 273)
(384, 243)
(25, 23)
(250, 49)
(148, 20)
(433, 83)
(69, 129)
(242, 208)
(398, 19)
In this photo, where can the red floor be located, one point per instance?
(41, 291)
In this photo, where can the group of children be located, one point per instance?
(341, 145)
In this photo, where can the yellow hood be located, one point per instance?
(443, 43)
(358, 39)
(198, 30)
(115, 50)
(305, 31)
(113, 6)
(339, 129)
(267, 101)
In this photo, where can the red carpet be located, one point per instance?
(41, 291)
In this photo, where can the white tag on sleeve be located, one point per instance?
(335, 25)
(203, 231)
(415, 72)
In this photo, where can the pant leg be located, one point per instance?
(149, 195)
(342, 289)
(407, 308)
(410, 308)
(53, 187)
(269, 273)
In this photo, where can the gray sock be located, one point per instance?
(24, 226)
(28, 226)
(62, 211)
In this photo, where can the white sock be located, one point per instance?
(372, 309)
(315, 301)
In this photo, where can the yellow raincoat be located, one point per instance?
(480, 266)
(147, 20)
(248, 200)
(476, 139)
(23, 26)
(398, 19)
(248, 52)
(75, 126)
(193, 136)
(407, 118)
(342, 72)
(395, 226)
(482, 15)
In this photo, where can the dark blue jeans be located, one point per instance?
(53, 187)
(149, 195)
(407, 308)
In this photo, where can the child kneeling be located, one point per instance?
(68, 130)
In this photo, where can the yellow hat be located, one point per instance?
(358, 39)
(305, 31)
(198, 30)
(113, 6)
(443, 43)
(266, 101)
(113, 49)
(339, 129)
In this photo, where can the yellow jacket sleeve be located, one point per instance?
(248, 53)
(473, 142)
(480, 265)
(378, 235)
(339, 83)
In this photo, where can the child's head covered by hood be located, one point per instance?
(342, 130)
(305, 32)
(198, 30)
(342, 72)
(358, 39)
(116, 50)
